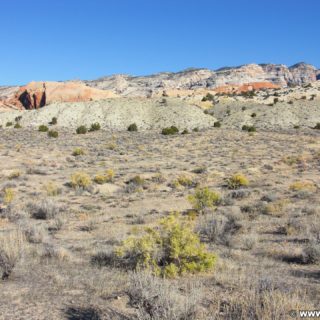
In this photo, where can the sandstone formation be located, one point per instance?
(236, 89)
(36, 95)
(193, 79)
(184, 84)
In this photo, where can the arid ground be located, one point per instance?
(265, 234)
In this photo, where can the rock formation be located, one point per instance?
(36, 95)
(185, 83)
(192, 79)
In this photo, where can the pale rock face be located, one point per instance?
(192, 79)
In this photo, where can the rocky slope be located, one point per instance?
(116, 114)
(193, 79)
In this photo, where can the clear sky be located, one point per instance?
(86, 39)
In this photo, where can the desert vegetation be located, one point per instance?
(214, 224)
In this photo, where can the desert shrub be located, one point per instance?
(11, 249)
(169, 249)
(157, 298)
(95, 127)
(237, 181)
(159, 178)
(265, 301)
(275, 208)
(208, 97)
(18, 118)
(52, 189)
(43, 128)
(217, 124)
(80, 180)
(275, 100)
(296, 127)
(53, 134)
(105, 177)
(311, 253)
(252, 129)
(82, 130)
(212, 228)
(44, 209)
(133, 127)
(170, 130)
(244, 108)
(78, 152)
(293, 160)
(200, 170)
(184, 181)
(303, 186)
(33, 233)
(253, 115)
(52, 251)
(317, 126)
(204, 198)
(111, 146)
(185, 131)
(195, 129)
(249, 128)
(105, 259)
(53, 121)
(136, 180)
(218, 229)
(248, 241)
(9, 124)
(14, 175)
(17, 126)
(8, 195)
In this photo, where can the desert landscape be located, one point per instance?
(175, 196)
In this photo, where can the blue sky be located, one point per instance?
(86, 39)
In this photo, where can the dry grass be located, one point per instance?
(265, 229)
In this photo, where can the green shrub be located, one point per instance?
(95, 127)
(208, 97)
(170, 249)
(53, 134)
(237, 181)
(43, 128)
(54, 121)
(249, 128)
(82, 130)
(217, 124)
(204, 198)
(133, 127)
(78, 152)
(170, 130)
(17, 126)
(9, 124)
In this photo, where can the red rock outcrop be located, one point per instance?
(246, 87)
(36, 95)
